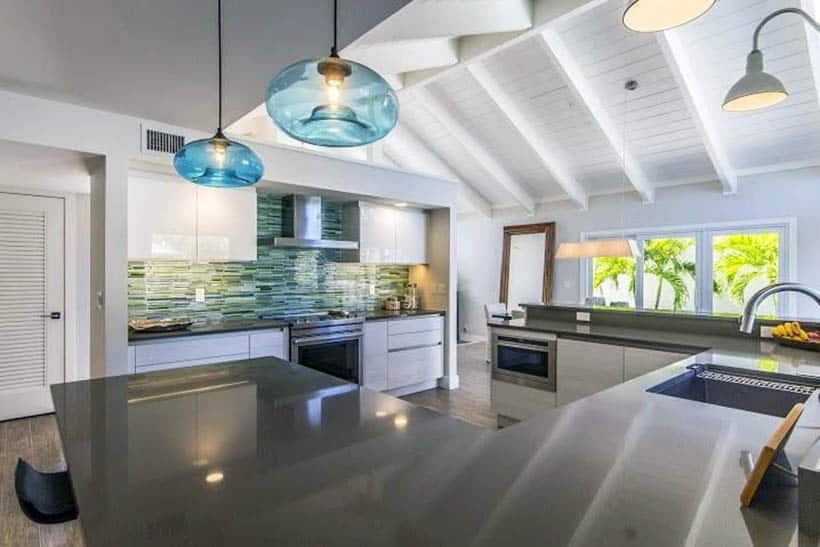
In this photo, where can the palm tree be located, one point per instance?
(664, 259)
(740, 259)
(611, 269)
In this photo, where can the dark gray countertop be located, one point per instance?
(384, 314)
(235, 325)
(306, 459)
(685, 342)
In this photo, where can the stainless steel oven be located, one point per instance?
(332, 346)
(527, 358)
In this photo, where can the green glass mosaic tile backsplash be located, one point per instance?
(280, 281)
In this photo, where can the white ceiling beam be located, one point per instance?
(406, 55)
(407, 150)
(476, 149)
(474, 48)
(813, 38)
(451, 18)
(544, 148)
(396, 81)
(678, 60)
(555, 47)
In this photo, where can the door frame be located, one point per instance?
(72, 368)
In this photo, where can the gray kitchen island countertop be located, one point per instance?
(264, 452)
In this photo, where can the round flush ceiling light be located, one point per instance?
(658, 15)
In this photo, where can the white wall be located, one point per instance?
(775, 195)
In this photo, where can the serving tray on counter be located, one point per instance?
(811, 346)
(159, 325)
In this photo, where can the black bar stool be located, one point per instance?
(45, 498)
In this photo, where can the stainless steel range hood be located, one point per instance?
(302, 225)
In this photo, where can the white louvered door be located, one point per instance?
(31, 289)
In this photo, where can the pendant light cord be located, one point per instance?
(333, 51)
(219, 41)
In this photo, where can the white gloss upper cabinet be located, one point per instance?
(226, 227)
(177, 220)
(161, 220)
(377, 234)
(386, 235)
(411, 236)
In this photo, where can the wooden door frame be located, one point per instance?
(546, 228)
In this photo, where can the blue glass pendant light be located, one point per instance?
(218, 162)
(332, 101)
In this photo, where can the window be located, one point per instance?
(742, 263)
(710, 268)
(669, 273)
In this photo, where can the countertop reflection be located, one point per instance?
(264, 452)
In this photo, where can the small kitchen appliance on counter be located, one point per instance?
(392, 303)
(410, 301)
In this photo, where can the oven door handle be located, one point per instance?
(541, 349)
(326, 338)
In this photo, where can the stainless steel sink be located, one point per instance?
(771, 394)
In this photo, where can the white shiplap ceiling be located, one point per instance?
(523, 101)
(563, 79)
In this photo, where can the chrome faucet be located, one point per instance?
(747, 320)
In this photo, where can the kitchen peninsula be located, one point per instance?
(264, 451)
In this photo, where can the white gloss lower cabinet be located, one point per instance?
(414, 366)
(186, 351)
(403, 355)
(585, 368)
(640, 361)
(374, 367)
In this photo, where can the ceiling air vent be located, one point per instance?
(161, 141)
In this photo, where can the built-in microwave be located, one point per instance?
(524, 357)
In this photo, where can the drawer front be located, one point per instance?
(267, 343)
(414, 339)
(412, 366)
(191, 349)
(375, 372)
(374, 365)
(192, 363)
(375, 338)
(418, 324)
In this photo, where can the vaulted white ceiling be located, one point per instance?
(157, 58)
(547, 116)
(524, 101)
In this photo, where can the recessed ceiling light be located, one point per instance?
(658, 15)
(401, 204)
(214, 477)
(381, 413)
(400, 421)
